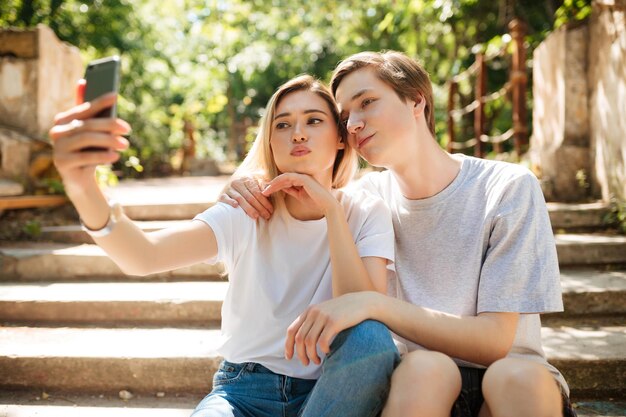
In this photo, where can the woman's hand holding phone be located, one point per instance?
(78, 129)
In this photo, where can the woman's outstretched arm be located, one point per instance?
(81, 142)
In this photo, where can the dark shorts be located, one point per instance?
(471, 398)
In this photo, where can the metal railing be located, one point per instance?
(514, 90)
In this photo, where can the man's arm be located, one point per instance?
(482, 339)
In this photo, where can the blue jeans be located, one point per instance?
(355, 382)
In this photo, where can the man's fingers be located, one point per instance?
(326, 338)
(241, 201)
(311, 340)
(225, 198)
(255, 189)
(252, 200)
(291, 335)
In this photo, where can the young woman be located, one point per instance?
(321, 242)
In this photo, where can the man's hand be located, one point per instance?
(245, 192)
(319, 324)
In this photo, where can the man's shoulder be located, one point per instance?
(500, 174)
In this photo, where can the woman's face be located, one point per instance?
(304, 136)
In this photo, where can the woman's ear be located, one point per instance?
(419, 106)
(341, 144)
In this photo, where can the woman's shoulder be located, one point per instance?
(360, 200)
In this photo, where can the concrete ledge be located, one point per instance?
(590, 249)
(592, 359)
(118, 304)
(108, 360)
(588, 292)
(577, 216)
(61, 262)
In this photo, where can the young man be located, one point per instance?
(475, 258)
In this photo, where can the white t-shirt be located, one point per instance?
(279, 268)
(482, 244)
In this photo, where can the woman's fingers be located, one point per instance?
(70, 161)
(110, 126)
(80, 90)
(86, 110)
(79, 141)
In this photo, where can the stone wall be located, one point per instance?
(38, 75)
(607, 107)
(579, 123)
(560, 141)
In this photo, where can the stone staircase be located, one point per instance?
(77, 335)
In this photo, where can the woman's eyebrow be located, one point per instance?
(305, 112)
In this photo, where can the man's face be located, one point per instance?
(379, 122)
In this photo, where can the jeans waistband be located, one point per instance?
(249, 367)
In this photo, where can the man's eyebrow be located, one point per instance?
(305, 112)
(359, 93)
(355, 96)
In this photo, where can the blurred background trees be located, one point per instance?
(215, 63)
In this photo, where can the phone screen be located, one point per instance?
(102, 77)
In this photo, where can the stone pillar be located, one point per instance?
(607, 98)
(561, 130)
(38, 75)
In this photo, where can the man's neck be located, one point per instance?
(428, 172)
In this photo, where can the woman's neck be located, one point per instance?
(300, 210)
(304, 209)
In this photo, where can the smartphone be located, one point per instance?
(103, 76)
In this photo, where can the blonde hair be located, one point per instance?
(403, 74)
(260, 162)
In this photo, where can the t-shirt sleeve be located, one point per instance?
(232, 228)
(520, 272)
(375, 237)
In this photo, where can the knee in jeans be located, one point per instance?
(370, 336)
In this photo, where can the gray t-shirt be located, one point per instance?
(483, 244)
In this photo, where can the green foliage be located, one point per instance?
(216, 62)
(616, 217)
(572, 11)
(32, 228)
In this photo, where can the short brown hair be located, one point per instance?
(407, 77)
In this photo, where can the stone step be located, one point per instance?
(585, 293)
(74, 234)
(70, 405)
(174, 198)
(58, 261)
(30, 261)
(593, 359)
(593, 292)
(590, 249)
(113, 304)
(584, 216)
